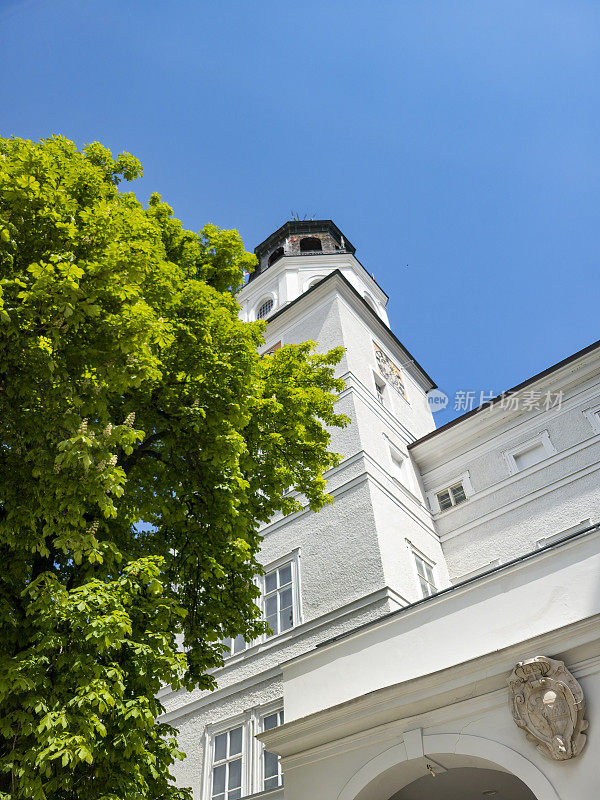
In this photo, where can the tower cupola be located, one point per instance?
(294, 259)
(301, 237)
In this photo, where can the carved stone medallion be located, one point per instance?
(548, 704)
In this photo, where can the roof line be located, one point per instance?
(373, 314)
(459, 585)
(314, 224)
(508, 392)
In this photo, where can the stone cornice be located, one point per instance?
(343, 726)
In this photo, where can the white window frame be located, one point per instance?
(417, 555)
(293, 559)
(432, 495)
(260, 713)
(381, 389)
(211, 732)
(251, 723)
(264, 299)
(402, 474)
(231, 652)
(312, 281)
(593, 417)
(511, 455)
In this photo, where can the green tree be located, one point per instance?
(142, 444)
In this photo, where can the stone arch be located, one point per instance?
(310, 244)
(275, 256)
(457, 744)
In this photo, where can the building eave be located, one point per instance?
(463, 420)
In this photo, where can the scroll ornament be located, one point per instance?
(548, 704)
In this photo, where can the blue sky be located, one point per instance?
(458, 138)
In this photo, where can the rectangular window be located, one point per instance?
(227, 765)
(234, 646)
(379, 389)
(530, 456)
(452, 496)
(278, 599)
(425, 573)
(272, 776)
(400, 468)
(527, 454)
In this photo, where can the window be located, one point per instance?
(234, 646)
(530, 456)
(400, 467)
(310, 244)
(452, 496)
(593, 417)
(236, 763)
(314, 281)
(425, 573)
(271, 768)
(275, 256)
(527, 454)
(227, 765)
(379, 389)
(278, 599)
(264, 309)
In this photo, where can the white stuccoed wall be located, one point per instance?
(439, 670)
(291, 276)
(354, 560)
(507, 515)
(550, 590)
(356, 556)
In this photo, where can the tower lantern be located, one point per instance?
(301, 237)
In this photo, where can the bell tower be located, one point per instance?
(373, 550)
(309, 285)
(294, 258)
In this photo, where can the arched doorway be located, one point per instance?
(465, 767)
(466, 783)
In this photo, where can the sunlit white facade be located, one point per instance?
(399, 612)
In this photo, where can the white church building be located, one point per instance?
(436, 629)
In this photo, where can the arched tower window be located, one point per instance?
(275, 256)
(309, 244)
(264, 309)
(314, 281)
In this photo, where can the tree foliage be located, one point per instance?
(143, 442)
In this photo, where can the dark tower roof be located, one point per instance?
(289, 236)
